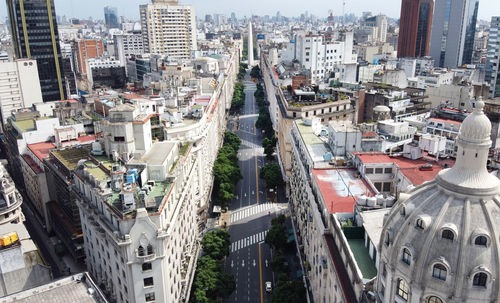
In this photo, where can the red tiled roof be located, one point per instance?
(408, 167)
(369, 134)
(41, 150)
(132, 96)
(340, 188)
(445, 121)
(86, 138)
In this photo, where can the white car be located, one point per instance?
(268, 286)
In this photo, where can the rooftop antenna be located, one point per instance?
(343, 13)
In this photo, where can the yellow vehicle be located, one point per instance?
(8, 239)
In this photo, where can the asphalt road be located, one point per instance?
(251, 213)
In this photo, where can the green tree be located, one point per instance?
(279, 220)
(279, 264)
(276, 237)
(226, 285)
(289, 291)
(271, 173)
(232, 140)
(255, 72)
(216, 244)
(269, 146)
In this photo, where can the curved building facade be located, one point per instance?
(440, 242)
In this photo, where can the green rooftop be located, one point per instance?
(105, 161)
(28, 124)
(365, 263)
(307, 133)
(70, 156)
(98, 173)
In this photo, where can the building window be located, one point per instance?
(420, 224)
(388, 170)
(387, 187)
(439, 272)
(448, 234)
(140, 251)
(481, 240)
(434, 299)
(150, 249)
(147, 266)
(402, 289)
(379, 170)
(406, 256)
(480, 279)
(368, 170)
(150, 297)
(384, 270)
(148, 282)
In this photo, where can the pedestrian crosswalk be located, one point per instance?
(250, 240)
(251, 210)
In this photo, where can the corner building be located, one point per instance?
(439, 243)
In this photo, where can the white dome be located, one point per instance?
(440, 243)
(381, 108)
(476, 127)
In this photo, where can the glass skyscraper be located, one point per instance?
(111, 17)
(453, 30)
(35, 36)
(493, 58)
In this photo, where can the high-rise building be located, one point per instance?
(127, 45)
(87, 49)
(111, 17)
(493, 58)
(19, 86)
(415, 28)
(452, 34)
(35, 36)
(168, 28)
(379, 22)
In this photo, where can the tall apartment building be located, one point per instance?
(127, 45)
(327, 57)
(35, 36)
(453, 30)
(111, 17)
(415, 28)
(168, 28)
(380, 23)
(87, 49)
(493, 58)
(19, 86)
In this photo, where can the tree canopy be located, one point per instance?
(271, 173)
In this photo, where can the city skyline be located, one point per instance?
(95, 8)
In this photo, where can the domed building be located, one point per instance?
(440, 242)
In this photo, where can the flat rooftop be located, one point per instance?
(373, 222)
(408, 167)
(71, 289)
(315, 146)
(158, 153)
(341, 188)
(70, 156)
(41, 150)
(28, 124)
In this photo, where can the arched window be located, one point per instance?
(439, 272)
(403, 290)
(448, 234)
(406, 256)
(150, 249)
(434, 299)
(480, 279)
(481, 240)
(140, 251)
(420, 224)
(403, 211)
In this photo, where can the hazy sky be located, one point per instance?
(130, 8)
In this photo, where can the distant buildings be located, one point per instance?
(493, 58)
(379, 23)
(168, 28)
(35, 36)
(415, 28)
(111, 17)
(128, 44)
(452, 35)
(87, 49)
